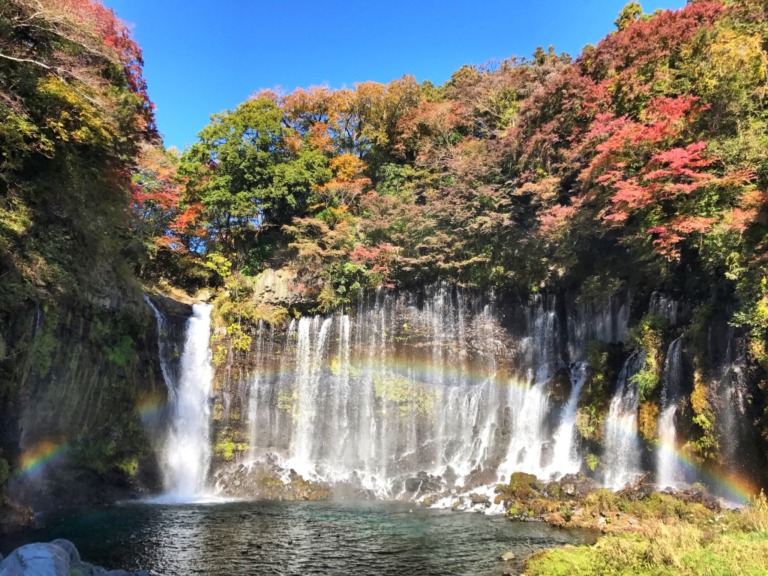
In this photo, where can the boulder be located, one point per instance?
(507, 556)
(57, 558)
(69, 548)
(477, 498)
(36, 560)
(423, 483)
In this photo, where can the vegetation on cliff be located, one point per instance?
(645, 150)
(74, 115)
(639, 164)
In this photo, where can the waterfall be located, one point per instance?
(622, 445)
(540, 358)
(443, 381)
(731, 397)
(162, 352)
(565, 460)
(253, 392)
(663, 305)
(669, 473)
(188, 450)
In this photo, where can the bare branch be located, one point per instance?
(25, 60)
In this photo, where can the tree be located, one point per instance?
(632, 12)
(249, 172)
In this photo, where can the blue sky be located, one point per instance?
(202, 57)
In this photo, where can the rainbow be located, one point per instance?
(728, 486)
(420, 372)
(731, 488)
(151, 407)
(34, 459)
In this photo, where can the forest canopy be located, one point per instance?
(643, 157)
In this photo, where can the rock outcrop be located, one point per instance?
(57, 558)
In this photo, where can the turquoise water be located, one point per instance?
(247, 538)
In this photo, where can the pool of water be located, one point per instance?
(247, 538)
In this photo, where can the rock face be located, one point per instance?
(267, 481)
(87, 389)
(280, 288)
(57, 558)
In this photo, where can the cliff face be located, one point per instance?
(469, 385)
(83, 399)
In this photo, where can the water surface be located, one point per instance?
(248, 538)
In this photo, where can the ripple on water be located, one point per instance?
(247, 538)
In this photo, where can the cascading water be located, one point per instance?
(188, 450)
(731, 397)
(540, 358)
(565, 459)
(665, 306)
(161, 349)
(441, 382)
(669, 472)
(622, 445)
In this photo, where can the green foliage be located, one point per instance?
(227, 449)
(45, 344)
(403, 394)
(682, 551)
(246, 174)
(521, 487)
(129, 466)
(674, 538)
(593, 402)
(648, 337)
(122, 352)
(240, 314)
(706, 442)
(629, 14)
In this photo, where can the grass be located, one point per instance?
(672, 539)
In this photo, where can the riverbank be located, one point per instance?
(644, 532)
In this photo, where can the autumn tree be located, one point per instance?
(247, 174)
(74, 113)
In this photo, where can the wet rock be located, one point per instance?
(476, 498)
(280, 288)
(450, 476)
(480, 477)
(423, 483)
(267, 481)
(413, 484)
(575, 486)
(507, 556)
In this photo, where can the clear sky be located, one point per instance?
(205, 56)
